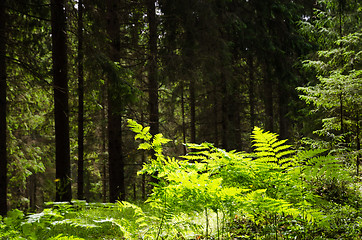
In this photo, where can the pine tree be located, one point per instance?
(60, 74)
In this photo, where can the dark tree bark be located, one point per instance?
(268, 99)
(80, 103)
(117, 189)
(104, 147)
(3, 155)
(282, 102)
(183, 115)
(60, 61)
(192, 110)
(152, 68)
(216, 116)
(224, 119)
(251, 92)
(283, 97)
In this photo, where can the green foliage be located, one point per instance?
(333, 89)
(274, 180)
(211, 193)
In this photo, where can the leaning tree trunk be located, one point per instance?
(117, 189)
(60, 83)
(3, 157)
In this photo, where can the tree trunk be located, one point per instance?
(282, 110)
(193, 110)
(183, 115)
(216, 116)
(104, 146)
(251, 92)
(224, 117)
(3, 155)
(116, 163)
(80, 102)
(60, 61)
(152, 68)
(268, 100)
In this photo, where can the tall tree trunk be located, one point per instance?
(60, 61)
(117, 189)
(183, 115)
(268, 99)
(216, 116)
(152, 68)
(80, 102)
(3, 155)
(104, 146)
(251, 92)
(282, 109)
(224, 120)
(193, 110)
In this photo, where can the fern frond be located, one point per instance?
(269, 148)
(323, 166)
(308, 154)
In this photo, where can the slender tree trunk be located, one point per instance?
(193, 110)
(282, 107)
(225, 124)
(183, 115)
(117, 189)
(80, 102)
(60, 61)
(3, 155)
(268, 100)
(251, 92)
(234, 115)
(104, 147)
(32, 188)
(152, 68)
(216, 116)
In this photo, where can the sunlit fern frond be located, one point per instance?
(268, 148)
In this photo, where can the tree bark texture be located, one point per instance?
(60, 61)
(192, 110)
(251, 92)
(268, 99)
(152, 68)
(80, 103)
(3, 155)
(116, 162)
(282, 108)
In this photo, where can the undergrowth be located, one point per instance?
(275, 192)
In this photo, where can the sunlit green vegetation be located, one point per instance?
(274, 192)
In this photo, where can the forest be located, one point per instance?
(180, 119)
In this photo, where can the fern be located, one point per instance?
(269, 149)
(268, 182)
